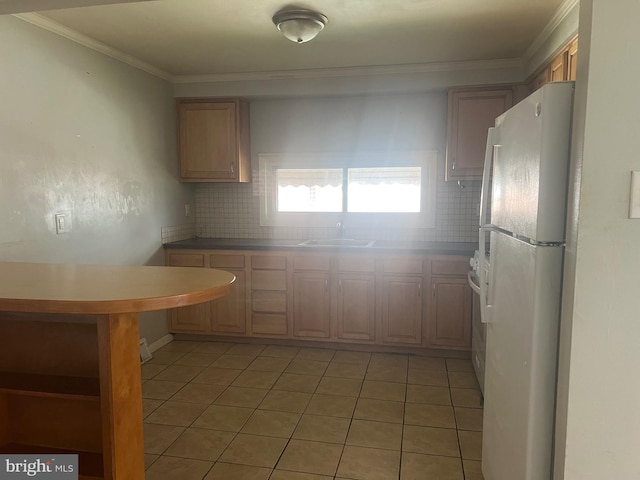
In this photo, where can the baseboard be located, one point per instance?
(161, 342)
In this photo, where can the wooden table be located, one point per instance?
(70, 357)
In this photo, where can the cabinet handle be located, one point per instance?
(340, 285)
(434, 289)
(326, 285)
(231, 164)
(419, 289)
(453, 164)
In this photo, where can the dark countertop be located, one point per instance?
(379, 246)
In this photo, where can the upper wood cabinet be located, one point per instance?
(561, 68)
(213, 139)
(472, 111)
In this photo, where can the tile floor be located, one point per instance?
(241, 411)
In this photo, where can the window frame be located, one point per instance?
(268, 163)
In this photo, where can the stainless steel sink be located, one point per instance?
(337, 242)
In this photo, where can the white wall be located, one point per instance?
(599, 418)
(85, 135)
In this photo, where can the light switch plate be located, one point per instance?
(634, 200)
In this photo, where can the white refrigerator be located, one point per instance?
(522, 231)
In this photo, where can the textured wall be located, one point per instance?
(87, 136)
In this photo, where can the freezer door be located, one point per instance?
(521, 358)
(531, 163)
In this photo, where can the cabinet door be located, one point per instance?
(191, 319)
(356, 306)
(228, 314)
(471, 113)
(449, 320)
(311, 305)
(402, 309)
(559, 67)
(572, 55)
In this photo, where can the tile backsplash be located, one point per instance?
(232, 211)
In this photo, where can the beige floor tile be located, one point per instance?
(217, 376)
(346, 370)
(165, 358)
(176, 413)
(369, 463)
(160, 390)
(230, 471)
(463, 380)
(269, 364)
(193, 359)
(254, 450)
(393, 360)
(173, 468)
(427, 363)
(283, 401)
(470, 444)
(435, 378)
(245, 349)
(310, 457)
(233, 361)
(158, 437)
(472, 469)
(220, 417)
(213, 348)
(150, 370)
(178, 373)
(180, 346)
(339, 386)
(365, 433)
(149, 459)
(430, 440)
(382, 373)
(256, 379)
(272, 424)
(293, 382)
(429, 415)
(466, 397)
(307, 367)
(459, 365)
(416, 465)
(428, 394)
(379, 410)
(149, 405)
(322, 429)
(284, 475)
(241, 397)
(320, 354)
(469, 418)
(198, 393)
(200, 444)
(342, 356)
(383, 390)
(331, 405)
(280, 351)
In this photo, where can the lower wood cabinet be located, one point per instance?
(413, 300)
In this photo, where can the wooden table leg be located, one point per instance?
(121, 396)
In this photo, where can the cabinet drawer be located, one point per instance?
(269, 324)
(312, 262)
(269, 280)
(269, 262)
(226, 261)
(186, 259)
(449, 265)
(411, 265)
(271, 302)
(356, 264)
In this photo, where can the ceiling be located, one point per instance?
(213, 37)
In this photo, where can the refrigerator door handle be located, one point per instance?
(486, 181)
(486, 300)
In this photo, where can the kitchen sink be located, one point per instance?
(337, 242)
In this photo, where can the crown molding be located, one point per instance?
(560, 14)
(77, 37)
(403, 69)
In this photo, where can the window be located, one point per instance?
(321, 190)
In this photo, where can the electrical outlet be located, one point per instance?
(187, 209)
(62, 225)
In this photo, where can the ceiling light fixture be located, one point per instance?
(299, 26)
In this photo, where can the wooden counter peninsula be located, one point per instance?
(70, 357)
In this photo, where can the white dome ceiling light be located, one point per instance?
(299, 26)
